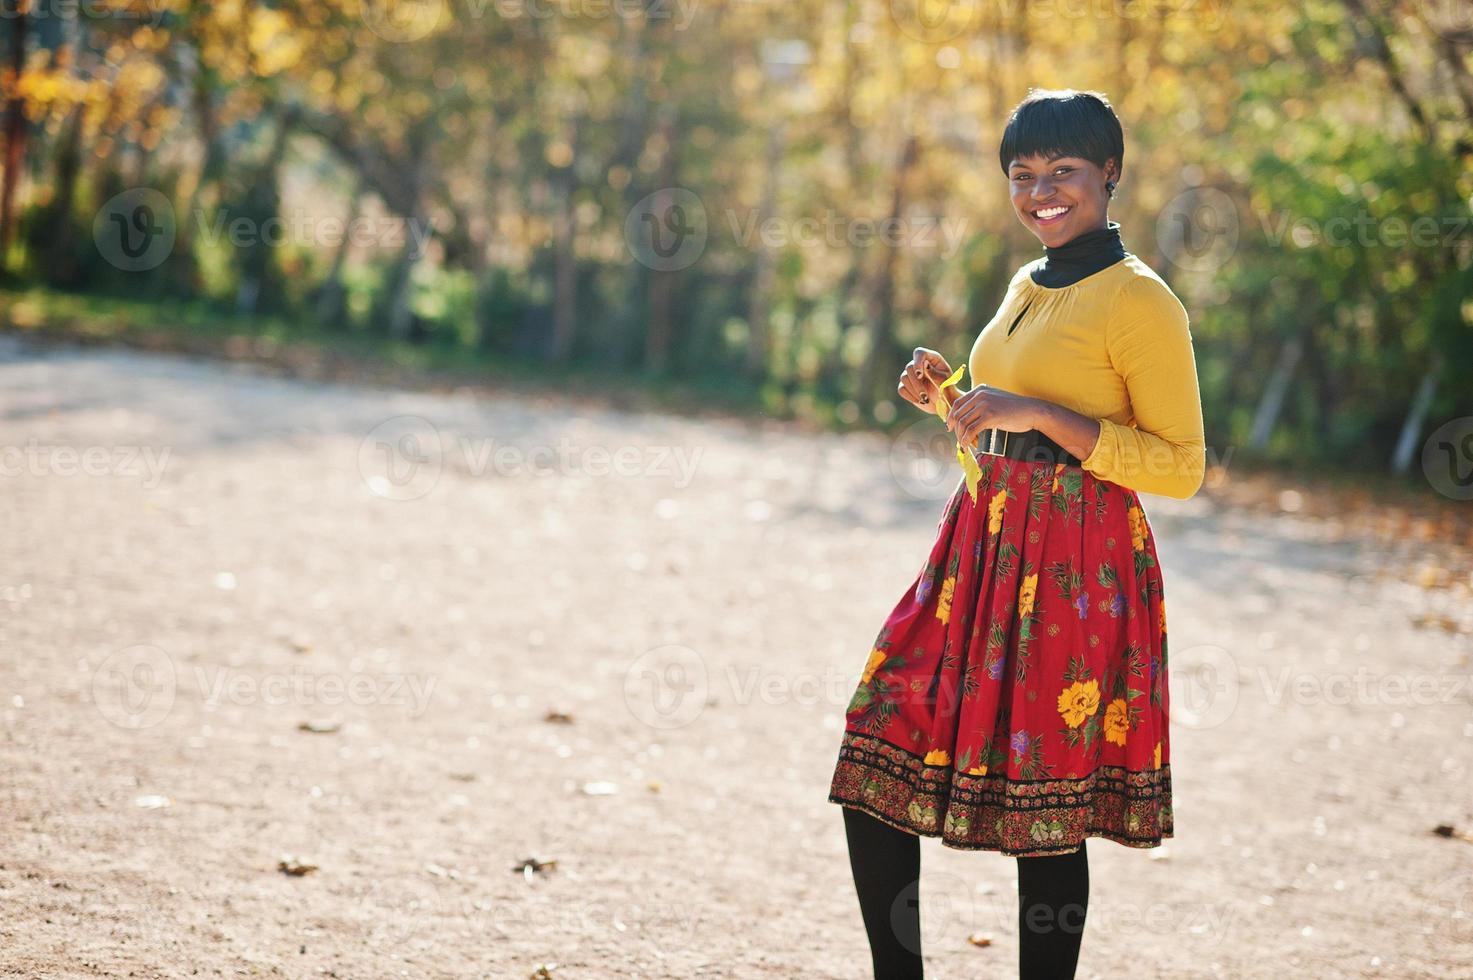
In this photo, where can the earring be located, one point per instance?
(1110, 187)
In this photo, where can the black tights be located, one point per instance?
(1053, 896)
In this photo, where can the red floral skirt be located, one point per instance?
(1015, 699)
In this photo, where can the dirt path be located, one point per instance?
(200, 559)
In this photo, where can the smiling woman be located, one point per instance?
(1059, 150)
(1016, 698)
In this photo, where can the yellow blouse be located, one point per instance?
(1115, 346)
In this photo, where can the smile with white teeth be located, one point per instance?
(1049, 214)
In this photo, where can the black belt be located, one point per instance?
(1030, 445)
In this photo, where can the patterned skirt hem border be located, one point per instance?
(1036, 852)
(1025, 818)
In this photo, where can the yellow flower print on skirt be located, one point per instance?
(994, 511)
(1078, 701)
(943, 602)
(1137, 529)
(1026, 593)
(1117, 722)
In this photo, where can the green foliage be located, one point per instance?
(524, 146)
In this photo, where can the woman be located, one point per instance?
(1015, 699)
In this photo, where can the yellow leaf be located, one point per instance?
(970, 468)
(945, 405)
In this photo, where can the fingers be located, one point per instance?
(912, 391)
(935, 368)
(916, 388)
(967, 418)
(920, 381)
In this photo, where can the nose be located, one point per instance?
(1043, 188)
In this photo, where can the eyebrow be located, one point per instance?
(1019, 163)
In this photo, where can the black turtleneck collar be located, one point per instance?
(1083, 255)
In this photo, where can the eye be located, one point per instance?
(1063, 170)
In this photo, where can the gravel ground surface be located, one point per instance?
(415, 640)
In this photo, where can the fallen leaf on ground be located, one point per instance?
(292, 865)
(559, 717)
(1438, 621)
(600, 789)
(1448, 830)
(529, 866)
(543, 971)
(319, 727)
(980, 939)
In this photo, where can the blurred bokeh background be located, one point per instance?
(464, 668)
(767, 204)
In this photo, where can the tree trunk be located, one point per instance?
(882, 305)
(759, 342)
(186, 268)
(832, 377)
(565, 269)
(400, 312)
(331, 306)
(1272, 402)
(61, 269)
(660, 329)
(16, 14)
(1406, 445)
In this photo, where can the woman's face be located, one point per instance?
(1059, 198)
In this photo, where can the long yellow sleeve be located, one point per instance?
(1150, 345)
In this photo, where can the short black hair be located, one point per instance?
(1063, 122)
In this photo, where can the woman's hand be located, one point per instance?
(920, 381)
(991, 408)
